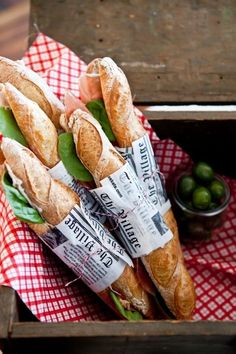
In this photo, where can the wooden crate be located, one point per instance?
(173, 52)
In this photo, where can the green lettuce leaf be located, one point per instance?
(67, 152)
(19, 204)
(9, 127)
(97, 108)
(129, 315)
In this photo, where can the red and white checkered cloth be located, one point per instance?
(40, 278)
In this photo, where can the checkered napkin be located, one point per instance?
(41, 280)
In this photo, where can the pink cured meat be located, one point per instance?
(72, 103)
(90, 87)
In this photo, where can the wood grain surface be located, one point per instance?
(126, 338)
(171, 50)
(14, 26)
(125, 345)
(123, 328)
(8, 312)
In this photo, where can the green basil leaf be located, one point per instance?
(129, 315)
(97, 108)
(19, 204)
(9, 127)
(67, 152)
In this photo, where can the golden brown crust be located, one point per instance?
(37, 128)
(168, 272)
(51, 197)
(101, 158)
(130, 288)
(118, 102)
(40, 229)
(32, 86)
(93, 147)
(93, 66)
(164, 265)
(184, 296)
(55, 201)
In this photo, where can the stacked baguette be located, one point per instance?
(37, 113)
(164, 265)
(53, 198)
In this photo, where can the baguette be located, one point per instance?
(32, 86)
(164, 265)
(93, 147)
(54, 200)
(114, 89)
(37, 128)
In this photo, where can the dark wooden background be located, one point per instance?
(172, 51)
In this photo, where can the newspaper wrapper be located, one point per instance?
(59, 172)
(139, 223)
(89, 250)
(142, 159)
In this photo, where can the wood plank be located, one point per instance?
(8, 311)
(123, 328)
(189, 112)
(127, 345)
(170, 50)
(14, 27)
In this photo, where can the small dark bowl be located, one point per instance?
(197, 225)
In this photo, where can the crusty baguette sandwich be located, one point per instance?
(164, 265)
(173, 277)
(54, 201)
(105, 80)
(32, 86)
(37, 129)
(23, 120)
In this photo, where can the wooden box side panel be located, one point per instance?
(171, 50)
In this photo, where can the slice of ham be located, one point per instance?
(90, 86)
(72, 103)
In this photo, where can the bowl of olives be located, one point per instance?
(200, 199)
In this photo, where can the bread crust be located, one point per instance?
(93, 147)
(102, 159)
(164, 265)
(37, 128)
(51, 197)
(118, 102)
(55, 200)
(32, 86)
